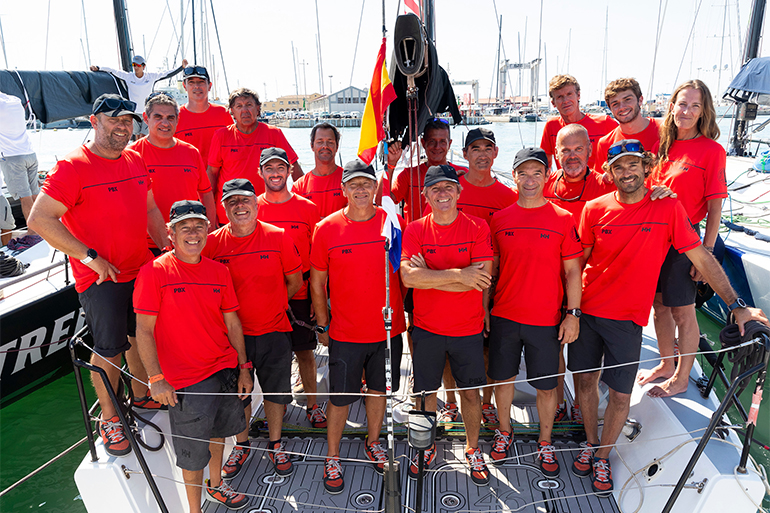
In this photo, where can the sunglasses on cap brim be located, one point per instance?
(114, 105)
(183, 210)
(624, 147)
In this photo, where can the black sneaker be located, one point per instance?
(601, 483)
(235, 462)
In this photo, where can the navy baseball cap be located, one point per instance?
(477, 134)
(533, 153)
(442, 173)
(114, 105)
(356, 168)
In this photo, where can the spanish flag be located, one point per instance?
(381, 94)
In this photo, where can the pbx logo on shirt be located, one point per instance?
(178, 290)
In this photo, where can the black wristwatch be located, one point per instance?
(576, 312)
(739, 303)
(90, 256)
(321, 329)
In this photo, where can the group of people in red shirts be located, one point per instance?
(255, 271)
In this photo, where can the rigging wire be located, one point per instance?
(661, 18)
(160, 22)
(689, 38)
(219, 43)
(355, 49)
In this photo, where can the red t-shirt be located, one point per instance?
(531, 244)
(237, 155)
(404, 190)
(597, 125)
(484, 201)
(106, 204)
(197, 128)
(298, 218)
(629, 245)
(557, 190)
(188, 301)
(455, 246)
(695, 171)
(649, 137)
(353, 253)
(258, 263)
(324, 191)
(176, 173)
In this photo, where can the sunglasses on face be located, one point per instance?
(630, 146)
(114, 105)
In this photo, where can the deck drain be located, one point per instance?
(364, 499)
(451, 501)
(548, 484)
(273, 479)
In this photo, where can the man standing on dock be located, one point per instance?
(322, 185)
(348, 255)
(446, 258)
(298, 217)
(176, 169)
(624, 98)
(198, 118)
(97, 206)
(191, 342)
(267, 271)
(139, 84)
(564, 91)
(235, 149)
(626, 237)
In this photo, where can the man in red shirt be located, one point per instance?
(199, 119)
(267, 272)
(298, 217)
(347, 254)
(235, 149)
(446, 257)
(624, 98)
(191, 342)
(625, 237)
(436, 140)
(97, 207)
(534, 242)
(322, 184)
(175, 167)
(564, 91)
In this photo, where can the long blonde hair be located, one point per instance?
(707, 122)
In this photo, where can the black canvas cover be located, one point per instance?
(58, 95)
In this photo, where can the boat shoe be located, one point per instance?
(281, 461)
(113, 437)
(479, 470)
(500, 446)
(226, 496)
(546, 459)
(237, 459)
(414, 464)
(376, 453)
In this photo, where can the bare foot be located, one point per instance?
(669, 387)
(662, 370)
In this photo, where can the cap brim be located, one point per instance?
(625, 154)
(441, 179)
(468, 143)
(191, 215)
(275, 158)
(237, 193)
(517, 164)
(356, 175)
(117, 114)
(197, 76)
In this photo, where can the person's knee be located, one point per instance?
(470, 397)
(684, 315)
(548, 395)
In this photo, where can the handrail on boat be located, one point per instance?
(716, 420)
(77, 340)
(26, 276)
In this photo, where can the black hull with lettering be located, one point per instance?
(33, 343)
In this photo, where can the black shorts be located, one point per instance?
(409, 301)
(302, 338)
(674, 282)
(271, 356)
(620, 342)
(110, 316)
(466, 359)
(205, 416)
(349, 360)
(541, 352)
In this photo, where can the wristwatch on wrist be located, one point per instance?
(90, 256)
(576, 312)
(739, 303)
(321, 329)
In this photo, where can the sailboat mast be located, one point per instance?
(430, 20)
(124, 41)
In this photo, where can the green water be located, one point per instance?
(44, 423)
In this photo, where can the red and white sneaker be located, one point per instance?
(489, 413)
(377, 454)
(601, 483)
(113, 437)
(500, 446)
(561, 412)
(479, 470)
(575, 414)
(281, 461)
(430, 455)
(546, 457)
(333, 482)
(584, 463)
(226, 496)
(316, 416)
(450, 413)
(235, 462)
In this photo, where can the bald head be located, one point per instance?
(573, 148)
